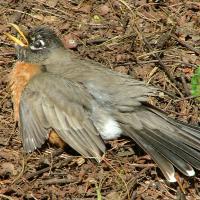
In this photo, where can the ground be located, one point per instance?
(154, 41)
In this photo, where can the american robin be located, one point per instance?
(58, 94)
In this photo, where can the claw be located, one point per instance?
(15, 39)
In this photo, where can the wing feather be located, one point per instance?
(51, 102)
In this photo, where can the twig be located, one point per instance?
(162, 65)
(185, 86)
(7, 54)
(186, 98)
(17, 16)
(55, 165)
(96, 41)
(6, 197)
(21, 172)
(19, 11)
(133, 181)
(48, 12)
(11, 134)
(186, 45)
(154, 61)
(58, 181)
(55, 8)
(5, 43)
(118, 174)
(182, 190)
(143, 165)
(57, 153)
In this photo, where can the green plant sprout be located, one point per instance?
(195, 84)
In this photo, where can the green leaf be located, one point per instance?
(195, 84)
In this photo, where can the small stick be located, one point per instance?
(162, 65)
(58, 181)
(64, 162)
(186, 89)
(186, 45)
(6, 197)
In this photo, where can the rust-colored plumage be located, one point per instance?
(19, 77)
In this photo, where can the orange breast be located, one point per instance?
(19, 77)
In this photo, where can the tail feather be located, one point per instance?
(169, 142)
(177, 157)
(165, 166)
(192, 129)
(178, 145)
(185, 133)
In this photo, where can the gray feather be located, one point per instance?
(66, 109)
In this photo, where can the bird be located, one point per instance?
(60, 96)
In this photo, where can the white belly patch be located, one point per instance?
(110, 130)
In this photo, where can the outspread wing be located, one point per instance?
(51, 102)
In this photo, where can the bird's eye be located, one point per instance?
(37, 45)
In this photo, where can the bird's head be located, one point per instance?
(37, 45)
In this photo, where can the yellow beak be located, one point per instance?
(23, 42)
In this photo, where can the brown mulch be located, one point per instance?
(156, 41)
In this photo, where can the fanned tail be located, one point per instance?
(170, 143)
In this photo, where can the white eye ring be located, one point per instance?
(42, 45)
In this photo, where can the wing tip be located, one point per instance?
(171, 179)
(170, 175)
(190, 172)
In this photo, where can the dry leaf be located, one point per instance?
(6, 168)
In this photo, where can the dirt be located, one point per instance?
(155, 41)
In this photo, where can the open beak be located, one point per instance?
(23, 42)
